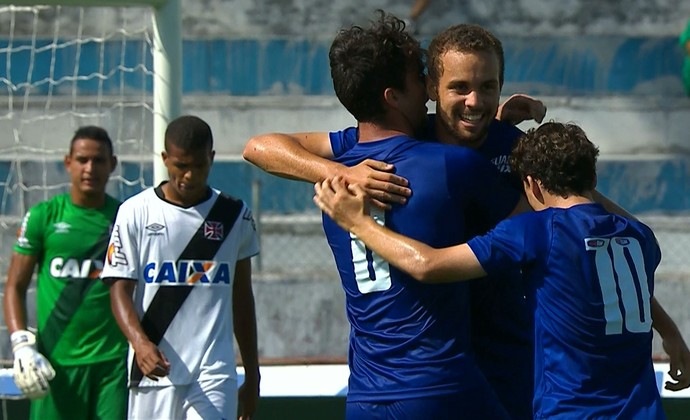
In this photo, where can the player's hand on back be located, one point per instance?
(345, 203)
(679, 370)
(32, 371)
(379, 182)
(519, 108)
(151, 360)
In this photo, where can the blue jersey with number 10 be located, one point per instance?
(408, 339)
(590, 278)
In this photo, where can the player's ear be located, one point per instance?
(390, 96)
(534, 188)
(113, 163)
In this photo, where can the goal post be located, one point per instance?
(167, 82)
(24, 46)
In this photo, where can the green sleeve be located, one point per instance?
(30, 235)
(685, 36)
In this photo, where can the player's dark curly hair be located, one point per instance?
(465, 38)
(189, 133)
(366, 61)
(560, 156)
(92, 132)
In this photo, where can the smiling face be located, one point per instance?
(188, 174)
(467, 95)
(89, 165)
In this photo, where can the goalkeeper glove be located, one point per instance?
(32, 371)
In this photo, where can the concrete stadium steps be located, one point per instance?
(643, 184)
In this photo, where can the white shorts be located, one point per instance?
(203, 400)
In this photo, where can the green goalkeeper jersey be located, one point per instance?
(75, 323)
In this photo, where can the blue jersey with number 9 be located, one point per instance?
(590, 277)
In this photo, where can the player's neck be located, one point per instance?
(173, 197)
(91, 201)
(564, 203)
(369, 131)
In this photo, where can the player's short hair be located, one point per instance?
(189, 133)
(365, 62)
(560, 156)
(91, 132)
(464, 38)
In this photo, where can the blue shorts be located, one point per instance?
(447, 407)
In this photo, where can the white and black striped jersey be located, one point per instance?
(183, 260)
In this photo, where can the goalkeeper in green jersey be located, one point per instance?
(74, 367)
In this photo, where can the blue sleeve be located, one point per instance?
(343, 140)
(653, 244)
(502, 249)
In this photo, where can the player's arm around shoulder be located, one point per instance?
(520, 107)
(674, 345)
(244, 324)
(301, 156)
(308, 157)
(347, 205)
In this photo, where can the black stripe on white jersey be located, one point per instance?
(169, 299)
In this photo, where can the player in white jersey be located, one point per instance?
(179, 264)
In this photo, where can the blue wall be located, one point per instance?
(570, 66)
(640, 186)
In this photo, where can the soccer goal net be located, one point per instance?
(65, 64)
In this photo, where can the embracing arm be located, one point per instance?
(675, 347)
(306, 157)
(519, 107)
(611, 206)
(18, 280)
(149, 358)
(300, 156)
(347, 206)
(244, 323)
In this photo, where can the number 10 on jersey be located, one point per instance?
(618, 283)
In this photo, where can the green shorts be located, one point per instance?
(96, 391)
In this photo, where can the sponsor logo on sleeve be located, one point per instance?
(247, 215)
(22, 240)
(115, 256)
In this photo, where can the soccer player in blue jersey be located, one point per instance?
(409, 353)
(589, 272)
(466, 68)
